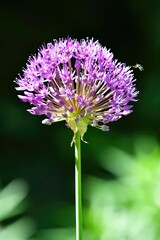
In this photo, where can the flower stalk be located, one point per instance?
(78, 188)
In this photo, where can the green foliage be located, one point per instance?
(59, 234)
(11, 204)
(126, 207)
(129, 207)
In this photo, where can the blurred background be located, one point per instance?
(121, 168)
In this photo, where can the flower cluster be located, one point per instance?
(78, 82)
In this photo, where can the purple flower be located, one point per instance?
(78, 82)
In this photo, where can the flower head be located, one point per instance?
(78, 82)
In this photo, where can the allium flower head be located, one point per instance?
(78, 82)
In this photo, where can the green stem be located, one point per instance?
(78, 191)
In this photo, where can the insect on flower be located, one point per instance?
(79, 82)
(139, 66)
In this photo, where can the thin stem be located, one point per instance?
(78, 191)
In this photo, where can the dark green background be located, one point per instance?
(42, 154)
